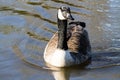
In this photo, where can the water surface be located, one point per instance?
(27, 25)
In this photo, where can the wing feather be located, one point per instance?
(78, 41)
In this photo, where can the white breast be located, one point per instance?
(60, 58)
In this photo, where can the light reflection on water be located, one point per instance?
(27, 25)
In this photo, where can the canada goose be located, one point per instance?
(68, 46)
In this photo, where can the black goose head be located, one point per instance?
(64, 13)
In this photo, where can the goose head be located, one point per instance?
(64, 13)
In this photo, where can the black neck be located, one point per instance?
(62, 34)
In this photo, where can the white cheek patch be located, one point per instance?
(60, 15)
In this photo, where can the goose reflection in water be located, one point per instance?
(66, 73)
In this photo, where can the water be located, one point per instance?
(27, 25)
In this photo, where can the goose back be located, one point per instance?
(77, 40)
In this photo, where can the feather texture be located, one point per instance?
(78, 44)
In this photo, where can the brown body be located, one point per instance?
(77, 41)
(70, 44)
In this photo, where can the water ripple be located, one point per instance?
(70, 4)
(38, 37)
(24, 12)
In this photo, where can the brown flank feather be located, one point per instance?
(77, 42)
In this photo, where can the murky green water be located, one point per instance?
(27, 25)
